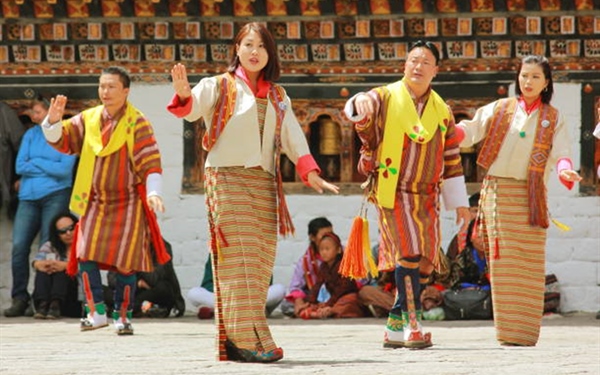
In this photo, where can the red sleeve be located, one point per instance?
(305, 165)
(178, 107)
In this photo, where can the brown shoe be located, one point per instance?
(41, 312)
(54, 311)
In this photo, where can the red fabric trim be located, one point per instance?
(530, 108)
(178, 107)
(72, 265)
(262, 86)
(305, 165)
(294, 295)
(162, 256)
(561, 165)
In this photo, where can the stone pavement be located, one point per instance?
(568, 345)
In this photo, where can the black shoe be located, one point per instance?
(54, 311)
(157, 312)
(29, 310)
(17, 308)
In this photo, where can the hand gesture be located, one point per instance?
(56, 110)
(463, 217)
(363, 105)
(156, 203)
(316, 182)
(180, 81)
(570, 175)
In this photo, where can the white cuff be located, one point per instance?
(454, 193)
(597, 131)
(154, 185)
(52, 132)
(349, 109)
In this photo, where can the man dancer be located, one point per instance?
(117, 188)
(411, 151)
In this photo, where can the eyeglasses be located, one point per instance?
(64, 230)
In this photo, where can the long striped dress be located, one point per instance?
(516, 253)
(114, 229)
(515, 249)
(242, 204)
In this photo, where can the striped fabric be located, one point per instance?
(114, 229)
(261, 109)
(412, 228)
(243, 217)
(516, 253)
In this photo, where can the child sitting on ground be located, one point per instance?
(333, 296)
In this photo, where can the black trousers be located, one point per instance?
(161, 295)
(57, 286)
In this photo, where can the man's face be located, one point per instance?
(420, 67)
(111, 91)
(38, 113)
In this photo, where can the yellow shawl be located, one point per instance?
(402, 119)
(93, 147)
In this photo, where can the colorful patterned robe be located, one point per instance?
(114, 230)
(412, 228)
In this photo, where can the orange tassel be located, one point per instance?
(368, 253)
(353, 264)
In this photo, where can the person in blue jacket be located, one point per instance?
(44, 191)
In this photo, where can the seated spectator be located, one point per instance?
(55, 293)
(469, 268)
(458, 242)
(332, 296)
(157, 293)
(306, 269)
(203, 296)
(378, 294)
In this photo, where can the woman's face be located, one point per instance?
(65, 228)
(252, 53)
(532, 81)
(328, 249)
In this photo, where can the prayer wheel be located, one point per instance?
(330, 137)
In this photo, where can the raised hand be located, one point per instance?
(181, 84)
(56, 110)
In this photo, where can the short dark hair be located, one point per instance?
(430, 46)
(121, 72)
(545, 65)
(41, 100)
(474, 200)
(317, 224)
(272, 70)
